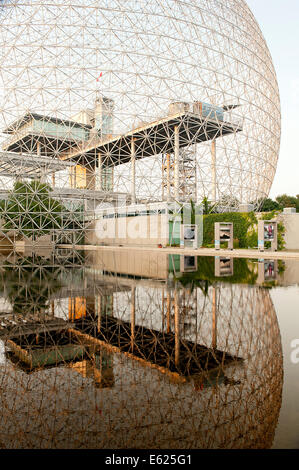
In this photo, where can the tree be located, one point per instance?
(29, 287)
(30, 210)
(288, 201)
(229, 202)
(208, 207)
(268, 205)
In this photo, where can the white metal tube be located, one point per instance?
(133, 315)
(213, 169)
(177, 327)
(176, 162)
(214, 321)
(133, 171)
(100, 173)
(168, 176)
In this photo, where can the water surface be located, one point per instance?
(144, 350)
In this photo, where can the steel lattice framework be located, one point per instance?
(103, 361)
(138, 100)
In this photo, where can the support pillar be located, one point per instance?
(133, 171)
(163, 181)
(177, 328)
(73, 177)
(176, 162)
(168, 176)
(133, 316)
(100, 173)
(213, 170)
(43, 177)
(168, 312)
(214, 322)
(163, 310)
(99, 311)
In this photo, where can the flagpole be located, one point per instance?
(98, 91)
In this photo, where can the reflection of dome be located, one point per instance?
(138, 404)
(151, 54)
(245, 415)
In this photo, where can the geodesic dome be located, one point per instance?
(76, 75)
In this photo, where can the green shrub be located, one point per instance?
(244, 273)
(245, 229)
(280, 238)
(252, 239)
(242, 223)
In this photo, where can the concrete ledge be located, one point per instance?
(254, 254)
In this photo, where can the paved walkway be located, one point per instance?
(238, 253)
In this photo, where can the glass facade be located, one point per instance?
(60, 131)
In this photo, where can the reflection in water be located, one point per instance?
(224, 267)
(120, 360)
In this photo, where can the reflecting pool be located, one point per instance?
(129, 349)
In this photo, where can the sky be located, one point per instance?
(279, 22)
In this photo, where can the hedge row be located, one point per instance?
(242, 224)
(244, 273)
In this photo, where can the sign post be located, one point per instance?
(267, 232)
(224, 232)
(189, 236)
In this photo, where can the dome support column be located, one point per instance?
(133, 171)
(213, 169)
(176, 162)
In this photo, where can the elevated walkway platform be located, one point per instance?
(76, 193)
(155, 138)
(30, 165)
(178, 358)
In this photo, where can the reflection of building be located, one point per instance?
(267, 271)
(137, 263)
(224, 305)
(41, 350)
(171, 351)
(173, 382)
(188, 264)
(14, 324)
(290, 274)
(224, 267)
(80, 307)
(61, 348)
(99, 368)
